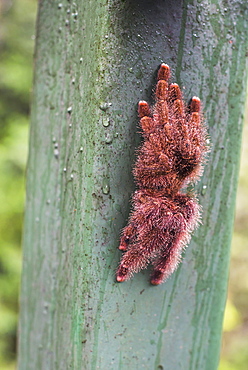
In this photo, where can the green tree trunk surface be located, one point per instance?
(94, 61)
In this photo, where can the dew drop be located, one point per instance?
(204, 190)
(105, 106)
(105, 121)
(56, 153)
(108, 139)
(45, 307)
(105, 186)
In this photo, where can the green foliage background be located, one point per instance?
(17, 29)
(235, 334)
(17, 19)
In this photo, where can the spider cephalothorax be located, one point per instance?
(171, 156)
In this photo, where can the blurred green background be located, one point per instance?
(17, 29)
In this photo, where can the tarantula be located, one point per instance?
(170, 157)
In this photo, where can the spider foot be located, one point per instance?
(175, 92)
(124, 243)
(122, 274)
(157, 277)
(144, 109)
(195, 104)
(164, 72)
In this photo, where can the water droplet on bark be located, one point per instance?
(105, 186)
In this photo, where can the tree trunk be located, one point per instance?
(94, 61)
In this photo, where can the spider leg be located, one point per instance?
(146, 120)
(147, 239)
(164, 72)
(161, 111)
(181, 131)
(182, 225)
(170, 253)
(193, 146)
(197, 131)
(175, 92)
(135, 259)
(177, 106)
(195, 105)
(189, 134)
(167, 262)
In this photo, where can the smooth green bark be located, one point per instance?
(94, 61)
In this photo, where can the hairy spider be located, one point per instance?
(171, 155)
